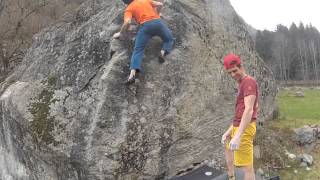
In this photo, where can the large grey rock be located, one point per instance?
(305, 135)
(299, 94)
(66, 114)
(306, 158)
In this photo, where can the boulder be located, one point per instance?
(299, 94)
(66, 113)
(305, 135)
(306, 158)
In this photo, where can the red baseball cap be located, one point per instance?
(231, 60)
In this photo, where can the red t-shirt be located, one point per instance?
(247, 86)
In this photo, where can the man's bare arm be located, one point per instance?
(157, 5)
(124, 28)
(247, 114)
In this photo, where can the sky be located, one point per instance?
(266, 14)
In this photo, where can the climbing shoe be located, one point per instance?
(131, 80)
(162, 56)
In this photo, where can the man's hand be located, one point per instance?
(117, 35)
(234, 143)
(225, 137)
(156, 4)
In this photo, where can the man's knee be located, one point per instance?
(248, 170)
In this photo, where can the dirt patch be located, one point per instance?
(273, 144)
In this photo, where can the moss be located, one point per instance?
(43, 124)
(52, 80)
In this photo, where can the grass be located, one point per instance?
(298, 111)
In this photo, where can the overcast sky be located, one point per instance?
(266, 14)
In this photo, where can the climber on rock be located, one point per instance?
(239, 136)
(146, 14)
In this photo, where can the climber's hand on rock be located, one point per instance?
(117, 35)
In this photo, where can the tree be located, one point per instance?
(263, 44)
(293, 54)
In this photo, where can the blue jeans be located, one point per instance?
(146, 31)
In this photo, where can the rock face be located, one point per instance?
(66, 114)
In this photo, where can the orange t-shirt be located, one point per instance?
(141, 10)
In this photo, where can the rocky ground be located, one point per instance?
(279, 150)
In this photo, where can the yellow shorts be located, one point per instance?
(244, 155)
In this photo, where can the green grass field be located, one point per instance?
(298, 111)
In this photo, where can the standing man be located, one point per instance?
(146, 14)
(239, 136)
